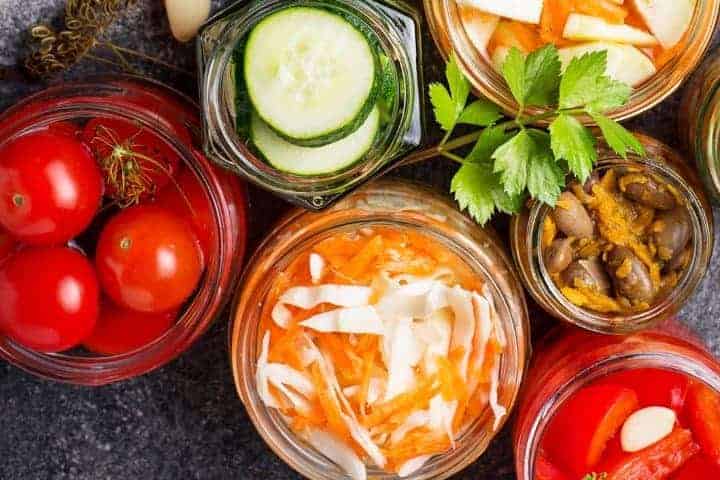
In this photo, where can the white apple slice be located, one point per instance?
(668, 20)
(625, 63)
(587, 28)
(479, 26)
(528, 11)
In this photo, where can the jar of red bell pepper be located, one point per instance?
(641, 407)
(120, 242)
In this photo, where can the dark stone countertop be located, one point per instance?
(185, 420)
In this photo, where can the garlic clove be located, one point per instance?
(186, 17)
(646, 427)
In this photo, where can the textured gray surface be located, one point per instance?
(185, 421)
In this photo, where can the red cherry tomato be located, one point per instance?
(544, 470)
(655, 387)
(7, 245)
(702, 411)
(187, 199)
(145, 161)
(148, 259)
(120, 330)
(50, 188)
(656, 462)
(580, 431)
(49, 298)
(697, 468)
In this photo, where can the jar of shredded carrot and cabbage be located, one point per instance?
(383, 338)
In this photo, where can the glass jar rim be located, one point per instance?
(681, 362)
(654, 91)
(214, 290)
(245, 333)
(545, 288)
(308, 190)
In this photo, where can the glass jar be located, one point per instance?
(173, 118)
(396, 27)
(450, 35)
(570, 359)
(699, 120)
(665, 164)
(401, 205)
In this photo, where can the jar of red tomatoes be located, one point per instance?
(120, 241)
(622, 251)
(641, 407)
(669, 39)
(383, 338)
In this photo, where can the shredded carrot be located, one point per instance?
(605, 9)
(329, 404)
(552, 23)
(361, 261)
(368, 363)
(417, 399)
(416, 443)
(510, 33)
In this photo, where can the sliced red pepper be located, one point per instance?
(544, 470)
(657, 462)
(655, 387)
(580, 431)
(702, 411)
(697, 468)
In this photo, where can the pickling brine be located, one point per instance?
(379, 346)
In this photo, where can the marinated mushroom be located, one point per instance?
(559, 255)
(671, 233)
(587, 273)
(572, 218)
(630, 276)
(618, 242)
(647, 191)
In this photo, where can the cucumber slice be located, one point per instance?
(311, 75)
(306, 161)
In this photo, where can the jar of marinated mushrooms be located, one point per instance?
(622, 251)
(652, 46)
(385, 337)
(699, 119)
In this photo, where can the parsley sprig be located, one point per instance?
(511, 158)
(595, 476)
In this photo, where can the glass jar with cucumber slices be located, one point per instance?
(651, 45)
(310, 98)
(699, 120)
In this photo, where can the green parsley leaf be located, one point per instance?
(477, 189)
(584, 84)
(481, 113)
(611, 95)
(490, 139)
(511, 162)
(449, 105)
(533, 80)
(514, 72)
(572, 142)
(459, 85)
(579, 82)
(542, 76)
(617, 137)
(443, 106)
(546, 179)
